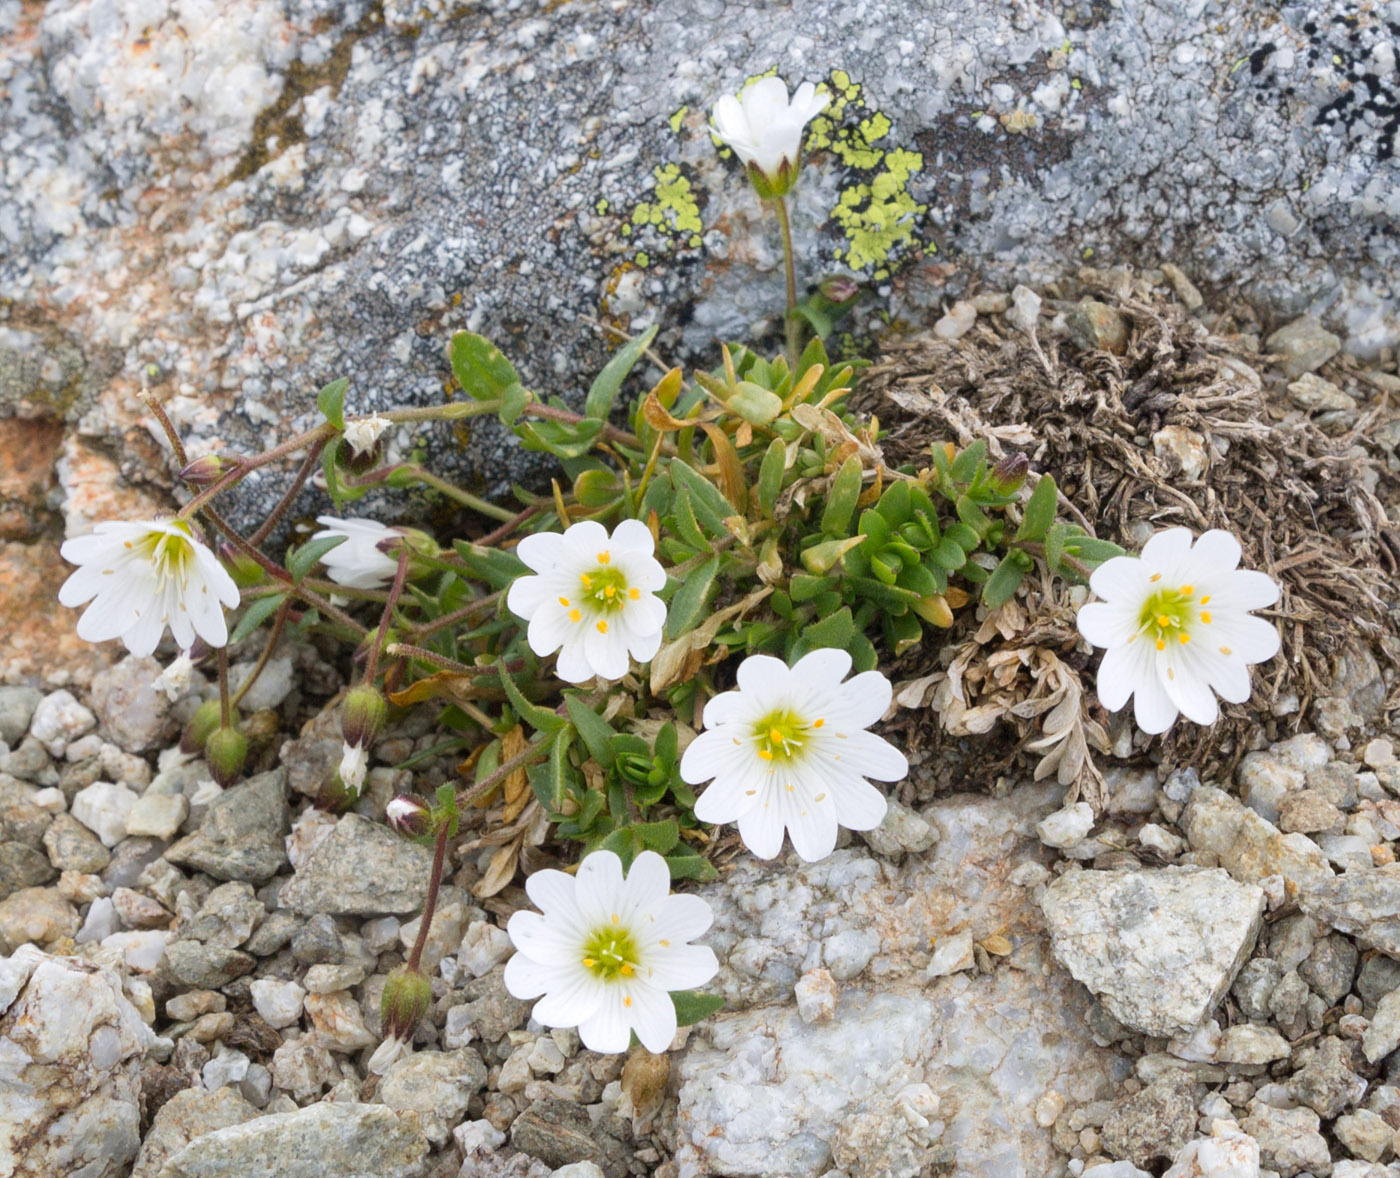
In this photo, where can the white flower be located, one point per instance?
(607, 951)
(358, 563)
(788, 750)
(594, 598)
(765, 129)
(1176, 624)
(143, 577)
(362, 433)
(353, 765)
(388, 1053)
(175, 679)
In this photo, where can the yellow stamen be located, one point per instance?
(1161, 645)
(775, 736)
(627, 1000)
(765, 754)
(575, 616)
(1163, 621)
(1170, 673)
(615, 918)
(1226, 650)
(1155, 577)
(1205, 617)
(818, 723)
(626, 971)
(1183, 638)
(564, 601)
(586, 579)
(604, 557)
(602, 626)
(1206, 599)
(589, 963)
(1187, 590)
(789, 788)
(610, 591)
(665, 944)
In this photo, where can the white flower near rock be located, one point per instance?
(607, 951)
(1177, 627)
(787, 751)
(175, 679)
(354, 764)
(593, 598)
(362, 434)
(143, 577)
(764, 129)
(360, 562)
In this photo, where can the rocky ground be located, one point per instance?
(1198, 976)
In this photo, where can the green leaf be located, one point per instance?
(1001, 586)
(665, 745)
(596, 732)
(687, 526)
(1040, 510)
(1055, 537)
(692, 1007)
(660, 837)
(604, 389)
(804, 586)
(895, 504)
(498, 569)
(255, 615)
(841, 499)
(963, 536)
(540, 719)
(949, 554)
(711, 507)
(972, 515)
(302, 560)
(331, 402)
(550, 781)
(621, 844)
(513, 402)
(864, 657)
(903, 631)
(691, 598)
(754, 403)
(965, 465)
(835, 631)
(770, 476)
(813, 353)
(479, 366)
(687, 863)
(1093, 551)
(822, 324)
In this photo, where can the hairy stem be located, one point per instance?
(304, 472)
(458, 615)
(400, 574)
(430, 904)
(279, 620)
(465, 498)
(225, 706)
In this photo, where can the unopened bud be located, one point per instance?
(411, 816)
(206, 471)
(407, 994)
(362, 716)
(226, 750)
(839, 289)
(1008, 474)
(201, 725)
(418, 542)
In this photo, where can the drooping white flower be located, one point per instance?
(359, 563)
(788, 751)
(362, 433)
(175, 679)
(607, 951)
(1177, 627)
(593, 599)
(765, 130)
(354, 763)
(142, 577)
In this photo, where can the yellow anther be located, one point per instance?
(627, 1000)
(604, 557)
(789, 788)
(626, 971)
(1155, 577)
(610, 591)
(564, 601)
(635, 594)
(665, 944)
(602, 626)
(1187, 590)
(575, 616)
(615, 918)
(1226, 650)
(775, 736)
(1171, 674)
(1206, 599)
(1205, 616)
(586, 579)
(818, 723)
(589, 963)
(765, 754)
(1161, 645)
(1163, 621)
(1183, 638)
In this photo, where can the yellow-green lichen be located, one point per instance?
(675, 119)
(672, 213)
(875, 211)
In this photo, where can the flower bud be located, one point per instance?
(1008, 474)
(362, 716)
(206, 471)
(226, 750)
(411, 816)
(201, 725)
(334, 796)
(839, 289)
(407, 994)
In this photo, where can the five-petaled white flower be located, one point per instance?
(765, 130)
(788, 749)
(1176, 624)
(362, 433)
(143, 577)
(360, 562)
(606, 952)
(593, 599)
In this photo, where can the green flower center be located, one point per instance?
(1171, 615)
(610, 953)
(171, 555)
(605, 588)
(781, 735)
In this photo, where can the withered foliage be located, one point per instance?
(1190, 426)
